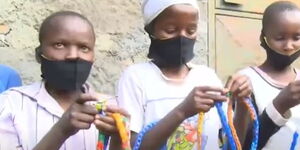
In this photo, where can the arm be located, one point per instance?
(276, 114)
(131, 98)
(267, 128)
(77, 116)
(53, 139)
(198, 100)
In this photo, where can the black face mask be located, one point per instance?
(277, 60)
(171, 52)
(65, 75)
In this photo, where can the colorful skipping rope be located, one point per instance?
(122, 125)
(227, 126)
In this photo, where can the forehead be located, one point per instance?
(178, 10)
(67, 25)
(284, 22)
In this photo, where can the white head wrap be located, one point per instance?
(152, 8)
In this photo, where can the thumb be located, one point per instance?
(86, 97)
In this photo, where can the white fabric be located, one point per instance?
(275, 116)
(28, 113)
(152, 8)
(265, 90)
(148, 96)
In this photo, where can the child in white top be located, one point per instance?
(52, 114)
(276, 84)
(170, 90)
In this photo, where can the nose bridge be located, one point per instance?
(289, 44)
(73, 52)
(182, 32)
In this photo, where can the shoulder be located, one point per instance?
(139, 71)
(249, 71)
(27, 90)
(204, 74)
(146, 66)
(15, 97)
(201, 69)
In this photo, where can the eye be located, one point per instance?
(59, 45)
(170, 30)
(279, 38)
(84, 49)
(297, 37)
(192, 31)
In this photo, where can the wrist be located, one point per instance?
(280, 107)
(60, 132)
(181, 113)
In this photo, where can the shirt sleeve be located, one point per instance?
(270, 122)
(130, 97)
(8, 134)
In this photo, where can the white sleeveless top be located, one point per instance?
(265, 89)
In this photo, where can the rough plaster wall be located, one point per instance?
(118, 24)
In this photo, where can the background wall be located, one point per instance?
(118, 24)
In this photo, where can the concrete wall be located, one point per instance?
(118, 24)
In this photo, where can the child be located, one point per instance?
(275, 82)
(52, 113)
(170, 90)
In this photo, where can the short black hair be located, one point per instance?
(272, 11)
(46, 24)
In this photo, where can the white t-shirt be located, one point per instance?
(265, 89)
(149, 96)
(27, 114)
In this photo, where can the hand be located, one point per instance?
(107, 124)
(288, 97)
(201, 99)
(240, 86)
(78, 116)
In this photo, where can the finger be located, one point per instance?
(215, 97)
(209, 102)
(84, 117)
(81, 125)
(237, 82)
(116, 109)
(105, 128)
(244, 86)
(245, 93)
(205, 108)
(88, 109)
(108, 120)
(245, 90)
(209, 89)
(85, 97)
(229, 82)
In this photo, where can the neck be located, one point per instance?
(179, 72)
(64, 97)
(284, 75)
(268, 67)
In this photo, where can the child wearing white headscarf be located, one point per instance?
(170, 89)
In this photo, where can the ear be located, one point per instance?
(38, 54)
